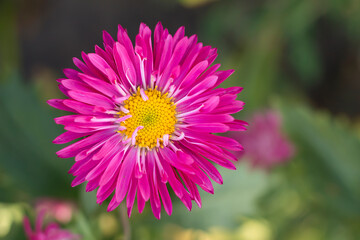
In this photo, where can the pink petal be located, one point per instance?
(208, 127)
(100, 85)
(59, 104)
(125, 175)
(112, 168)
(92, 99)
(75, 148)
(194, 74)
(165, 197)
(68, 137)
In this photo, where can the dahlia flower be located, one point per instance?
(51, 232)
(264, 143)
(146, 117)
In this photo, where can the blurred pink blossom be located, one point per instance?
(264, 143)
(51, 232)
(60, 210)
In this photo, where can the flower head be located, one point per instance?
(146, 117)
(264, 143)
(51, 232)
(60, 210)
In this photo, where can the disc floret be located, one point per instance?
(153, 117)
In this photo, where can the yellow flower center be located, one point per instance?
(156, 115)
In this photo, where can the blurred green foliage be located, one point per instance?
(318, 191)
(275, 49)
(275, 46)
(8, 42)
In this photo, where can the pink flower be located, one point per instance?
(60, 210)
(145, 116)
(51, 232)
(264, 144)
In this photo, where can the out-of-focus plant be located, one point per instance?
(265, 145)
(251, 229)
(49, 231)
(26, 152)
(276, 46)
(320, 186)
(11, 216)
(9, 56)
(195, 3)
(60, 210)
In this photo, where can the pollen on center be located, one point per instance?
(152, 110)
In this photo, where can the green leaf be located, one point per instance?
(85, 227)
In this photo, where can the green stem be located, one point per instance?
(125, 222)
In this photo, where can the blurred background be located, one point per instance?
(298, 60)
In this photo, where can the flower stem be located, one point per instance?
(125, 222)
